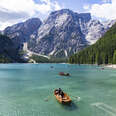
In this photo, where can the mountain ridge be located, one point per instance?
(54, 35)
(62, 34)
(21, 32)
(102, 52)
(8, 53)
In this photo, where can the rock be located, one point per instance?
(66, 32)
(60, 35)
(21, 32)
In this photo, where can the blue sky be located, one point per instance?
(77, 5)
(14, 11)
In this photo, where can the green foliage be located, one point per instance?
(8, 52)
(4, 59)
(58, 60)
(114, 57)
(22, 52)
(41, 59)
(102, 52)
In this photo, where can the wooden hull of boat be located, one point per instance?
(65, 100)
(64, 74)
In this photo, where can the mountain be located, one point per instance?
(66, 32)
(102, 52)
(94, 30)
(61, 35)
(8, 53)
(108, 24)
(22, 32)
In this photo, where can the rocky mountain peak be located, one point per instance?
(60, 34)
(96, 29)
(21, 32)
(86, 16)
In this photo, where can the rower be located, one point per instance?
(61, 92)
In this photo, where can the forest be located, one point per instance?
(102, 52)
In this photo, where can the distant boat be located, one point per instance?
(51, 67)
(64, 74)
(65, 100)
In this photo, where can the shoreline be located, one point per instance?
(113, 66)
(110, 66)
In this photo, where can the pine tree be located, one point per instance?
(114, 57)
(102, 52)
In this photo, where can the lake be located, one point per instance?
(27, 90)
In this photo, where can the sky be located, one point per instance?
(15, 11)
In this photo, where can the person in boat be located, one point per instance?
(57, 91)
(67, 74)
(60, 92)
(64, 74)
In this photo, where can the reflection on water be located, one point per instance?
(70, 107)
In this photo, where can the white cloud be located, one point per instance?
(5, 24)
(86, 6)
(106, 1)
(57, 6)
(47, 6)
(14, 11)
(106, 10)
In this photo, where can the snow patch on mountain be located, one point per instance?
(60, 20)
(95, 30)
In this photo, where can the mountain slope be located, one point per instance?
(66, 32)
(8, 53)
(60, 35)
(102, 52)
(22, 32)
(95, 30)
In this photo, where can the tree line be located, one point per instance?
(102, 52)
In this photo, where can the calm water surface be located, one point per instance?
(27, 90)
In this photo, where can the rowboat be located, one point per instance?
(65, 100)
(64, 74)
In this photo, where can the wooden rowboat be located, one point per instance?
(64, 74)
(65, 100)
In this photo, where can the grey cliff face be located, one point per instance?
(21, 32)
(8, 53)
(61, 35)
(66, 32)
(96, 29)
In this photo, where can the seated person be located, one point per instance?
(56, 91)
(61, 92)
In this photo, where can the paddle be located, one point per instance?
(49, 97)
(77, 98)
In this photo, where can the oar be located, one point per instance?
(77, 98)
(48, 98)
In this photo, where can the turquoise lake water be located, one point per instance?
(27, 90)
